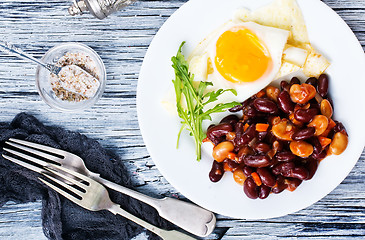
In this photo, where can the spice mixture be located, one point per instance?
(73, 84)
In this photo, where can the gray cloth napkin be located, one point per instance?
(61, 218)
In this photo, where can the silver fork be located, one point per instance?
(91, 195)
(189, 217)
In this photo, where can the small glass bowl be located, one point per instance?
(43, 77)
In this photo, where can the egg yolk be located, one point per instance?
(241, 56)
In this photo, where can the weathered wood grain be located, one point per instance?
(122, 40)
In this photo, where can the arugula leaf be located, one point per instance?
(193, 114)
(213, 96)
(201, 88)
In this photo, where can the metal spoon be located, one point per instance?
(87, 82)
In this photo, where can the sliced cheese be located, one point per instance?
(295, 55)
(286, 69)
(316, 64)
(284, 14)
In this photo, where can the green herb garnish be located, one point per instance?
(193, 115)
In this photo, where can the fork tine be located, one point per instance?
(39, 146)
(67, 178)
(63, 184)
(60, 191)
(24, 164)
(27, 157)
(71, 172)
(35, 152)
(42, 171)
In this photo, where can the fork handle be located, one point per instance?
(134, 194)
(188, 216)
(164, 234)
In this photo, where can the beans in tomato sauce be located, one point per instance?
(280, 139)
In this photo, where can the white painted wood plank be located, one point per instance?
(21, 221)
(122, 40)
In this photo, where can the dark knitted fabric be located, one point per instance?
(61, 218)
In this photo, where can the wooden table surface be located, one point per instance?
(122, 41)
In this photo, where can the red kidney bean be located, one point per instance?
(332, 133)
(339, 128)
(220, 130)
(210, 126)
(315, 104)
(236, 108)
(261, 136)
(252, 112)
(255, 120)
(239, 128)
(244, 139)
(242, 105)
(322, 87)
(257, 160)
(285, 103)
(317, 147)
(264, 191)
(283, 168)
(230, 119)
(250, 188)
(232, 164)
(270, 137)
(217, 171)
(274, 161)
(280, 185)
(247, 171)
(285, 156)
(248, 101)
(242, 152)
(262, 147)
(266, 177)
(292, 183)
(312, 81)
(304, 134)
(265, 105)
(305, 115)
(284, 85)
(247, 136)
(239, 132)
(311, 165)
(294, 80)
(320, 155)
(217, 133)
(298, 172)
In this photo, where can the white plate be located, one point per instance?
(194, 20)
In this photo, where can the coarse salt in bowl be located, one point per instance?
(66, 54)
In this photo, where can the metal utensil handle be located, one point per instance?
(134, 194)
(188, 216)
(11, 49)
(164, 234)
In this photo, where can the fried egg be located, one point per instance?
(256, 47)
(299, 54)
(242, 56)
